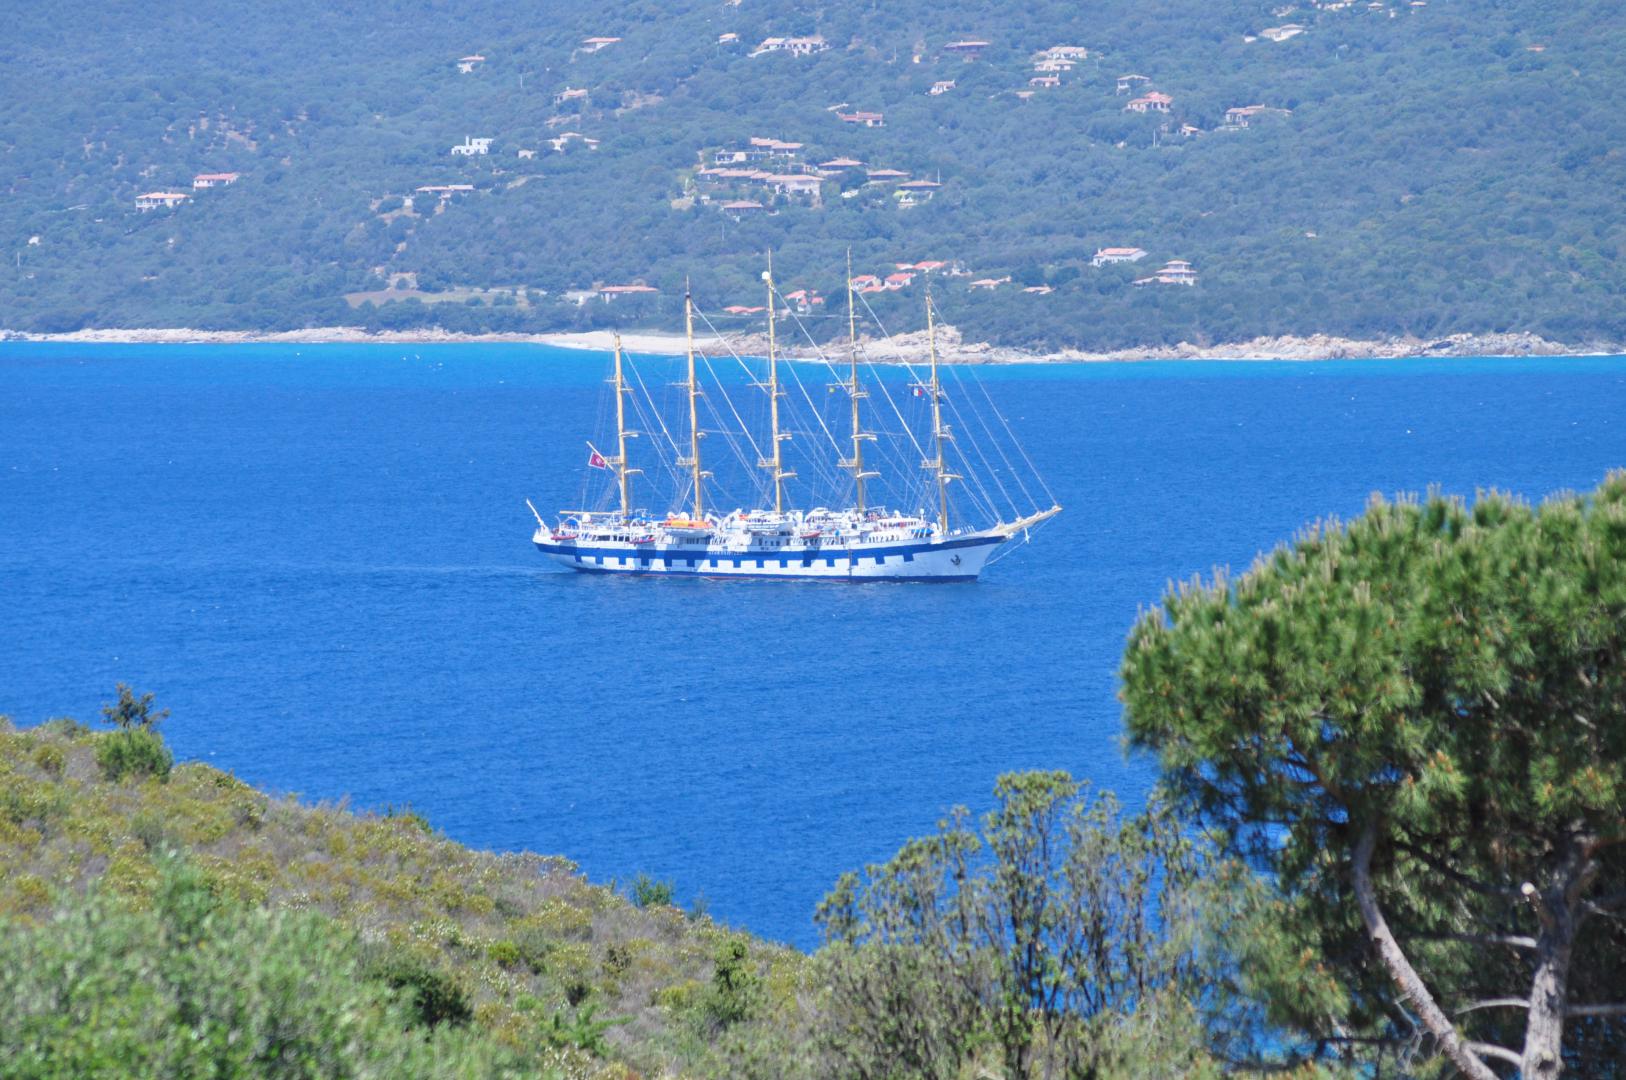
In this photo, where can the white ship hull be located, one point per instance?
(953, 558)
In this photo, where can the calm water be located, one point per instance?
(319, 558)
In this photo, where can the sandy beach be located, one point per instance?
(952, 348)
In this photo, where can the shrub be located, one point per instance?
(50, 759)
(135, 752)
(647, 892)
(432, 997)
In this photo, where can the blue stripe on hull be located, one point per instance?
(713, 575)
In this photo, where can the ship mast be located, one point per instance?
(693, 460)
(777, 462)
(854, 393)
(621, 432)
(940, 434)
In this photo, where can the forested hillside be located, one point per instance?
(1418, 168)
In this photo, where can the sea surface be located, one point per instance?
(319, 558)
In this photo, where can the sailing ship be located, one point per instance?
(781, 529)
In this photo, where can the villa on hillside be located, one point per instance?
(1128, 83)
(152, 200)
(570, 93)
(741, 207)
(840, 165)
(467, 64)
(562, 142)
(1175, 272)
(795, 184)
(613, 292)
(594, 44)
(1045, 82)
(795, 46)
(990, 283)
(941, 87)
(1067, 52)
(214, 179)
(472, 147)
(1282, 33)
(1052, 66)
(1117, 255)
(863, 119)
(445, 191)
(728, 39)
(1152, 102)
(885, 176)
(1245, 115)
(969, 49)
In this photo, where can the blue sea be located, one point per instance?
(319, 558)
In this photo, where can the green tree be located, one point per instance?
(1416, 725)
(132, 713)
(1056, 939)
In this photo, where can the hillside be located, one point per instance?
(1414, 167)
(518, 965)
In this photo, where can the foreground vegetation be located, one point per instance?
(1390, 844)
(1433, 168)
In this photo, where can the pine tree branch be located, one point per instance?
(1492, 1050)
(1506, 892)
(1492, 1003)
(1463, 1055)
(1517, 941)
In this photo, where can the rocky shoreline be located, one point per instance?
(903, 347)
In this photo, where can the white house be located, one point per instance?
(152, 200)
(1117, 255)
(470, 147)
(214, 179)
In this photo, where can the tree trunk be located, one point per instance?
(1400, 969)
(1560, 911)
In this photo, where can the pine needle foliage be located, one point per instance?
(1415, 724)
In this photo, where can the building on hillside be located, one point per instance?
(1247, 114)
(1045, 82)
(775, 147)
(804, 301)
(941, 87)
(728, 39)
(840, 165)
(795, 46)
(1175, 272)
(1042, 290)
(560, 143)
(1053, 66)
(739, 208)
(1067, 52)
(594, 44)
(471, 147)
(525, 155)
(741, 309)
(1152, 102)
(153, 200)
(610, 293)
(967, 48)
(795, 184)
(899, 280)
(570, 93)
(863, 119)
(885, 176)
(445, 191)
(214, 179)
(866, 281)
(1128, 84)
(990, 283)
(920, 189)
(467, 64)
(1282, 33)
(1117, 255)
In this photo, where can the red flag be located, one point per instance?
(597, 460)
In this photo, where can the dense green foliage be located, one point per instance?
(1433, 696)
(1446, 166)
(1056, 940)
